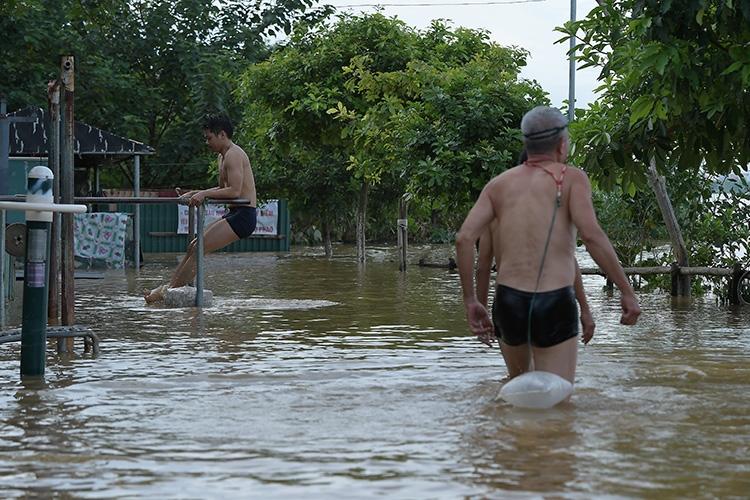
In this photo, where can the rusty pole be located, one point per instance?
(67, 194)
(53, 162)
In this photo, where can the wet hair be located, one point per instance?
(542, 129)
(218, 122)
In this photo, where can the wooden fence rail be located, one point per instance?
(736, 277)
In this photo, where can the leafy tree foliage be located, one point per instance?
(148, 70)
(713, 214)
(674, 97)
(675, 77)
(368, 106)
(456, 127)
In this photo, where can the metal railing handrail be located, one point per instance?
(103, 200)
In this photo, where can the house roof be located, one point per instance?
(91, 147)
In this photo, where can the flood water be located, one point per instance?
(316, 379)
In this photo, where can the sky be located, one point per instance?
(528, 24)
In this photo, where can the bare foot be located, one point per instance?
(155, 295)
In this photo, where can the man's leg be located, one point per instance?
(188, 260)
(516, 358)
(216, 236)
(559, 359)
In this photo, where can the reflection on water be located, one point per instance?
(322, 379)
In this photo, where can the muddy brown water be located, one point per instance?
(319, 379)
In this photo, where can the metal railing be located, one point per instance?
(201, 209)
(90, 339)
(136, 236)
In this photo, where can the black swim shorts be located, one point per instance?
(242, 220)
(554, 318)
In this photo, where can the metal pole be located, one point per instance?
(3, 260)
(36, 274)
(572, 72)
(66, 194)
(191, 222)
(53, 163)
(4, 144)
(4, 147)
(199, 258)
(137, 220)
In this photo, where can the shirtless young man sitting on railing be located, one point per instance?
(235, 182)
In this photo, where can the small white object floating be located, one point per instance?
(537, 390)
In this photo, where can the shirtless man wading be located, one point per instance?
(235, 182)
(523, 200)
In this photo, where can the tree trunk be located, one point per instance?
(327, 238)
(361, 218)
(673, 228)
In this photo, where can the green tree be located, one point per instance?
(673, 97)
(457, 124)
(145, 69)
(297, 86)
(391, 108)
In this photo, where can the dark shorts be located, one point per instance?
(554, 317)
(242, 220)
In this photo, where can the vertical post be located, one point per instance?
(191, 223)
(735, 281)
(403, 234)
(572, 70)
(675, 280)
(66, 194)
(4, 144)
(191, 232)
(199, 258)
(53, 163)
(3, 260)
(137, 220)
(673, 228)
(36, 275)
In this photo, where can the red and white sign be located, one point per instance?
(268, 217)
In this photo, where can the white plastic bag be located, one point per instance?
(538, 389)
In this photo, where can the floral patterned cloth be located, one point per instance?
(101, 235)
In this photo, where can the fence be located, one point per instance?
(737, 276)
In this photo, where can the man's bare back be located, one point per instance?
(525, 199)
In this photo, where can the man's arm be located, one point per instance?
(587, 320)
(598, 245)
(478, 221)
(484, 266)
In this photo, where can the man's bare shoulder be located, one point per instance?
(505, 176)
(236, 155)
(575, 171)
(576, 176)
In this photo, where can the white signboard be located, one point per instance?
(268, 217)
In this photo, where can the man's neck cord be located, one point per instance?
(544, 255)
